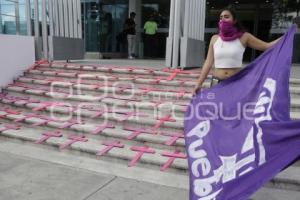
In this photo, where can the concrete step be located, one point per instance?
(120, 70)
(174, 86)
(275, 194)
(150, 81)
(176, 109)
(89, 89)
(163, 137)
(192, 74)
(92, 146)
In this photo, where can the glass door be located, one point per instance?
(103, 21)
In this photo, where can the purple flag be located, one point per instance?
(239, 133)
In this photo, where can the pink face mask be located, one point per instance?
(228, 31)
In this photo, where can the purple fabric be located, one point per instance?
(239, 134)
(228, 31)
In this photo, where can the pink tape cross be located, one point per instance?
(102, 127)
(73, 139)
(9, 127)
(70, 123)
(140, 152)
(135, 132)
(161, 121)
(45, 105)
(172, 156)
(45, 122)
(27, 116)
(9, 112)
(127, 115)
(109, 146)
(173, 139)
(47, 136)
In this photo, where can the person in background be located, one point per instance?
(150, 29)
(129, 29)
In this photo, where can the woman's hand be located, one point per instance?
(197, 88)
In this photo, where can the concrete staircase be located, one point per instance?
(130, 118)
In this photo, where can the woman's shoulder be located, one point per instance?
(214, 38)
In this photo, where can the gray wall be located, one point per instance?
(16, 55)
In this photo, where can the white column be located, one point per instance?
(75, 18)
(202, 21)
(79, 22)
(1, 31)
(55, 17)
(28, 17)
(44, 29)
(66, 18)
(51, 15)
(17, 14)
(177, 35)
(172, 16)
(36, 20)
(70, 11)
(186, 19)
(61, 18)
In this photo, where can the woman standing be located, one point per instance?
(227, 48)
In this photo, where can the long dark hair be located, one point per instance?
(232, 11)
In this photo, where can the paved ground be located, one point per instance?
(22, 178)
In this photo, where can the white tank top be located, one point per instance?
(228, 54)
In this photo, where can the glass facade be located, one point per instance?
(103, 21)
(266, 19)
(12, 17)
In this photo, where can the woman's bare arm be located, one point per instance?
(207, 64)
(258, 44)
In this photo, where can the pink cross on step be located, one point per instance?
(19, 85)
(174, 74)
(9, 112)
(10, 99)
(27, 116)
(73, 139)
(99, 112)
(157, 103)
(48, 135)
(127, 115)
(70, 123)
(45, 122)
(161, 121)
(130, 69)
(180, 94)
(172, 157)
(101, 127)
(173, 139)
(135, 132)
(9, 127)
(157, 80)
(27, 101)
(145, 90)
(109, 146)
(44, 105)
(141, 151)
